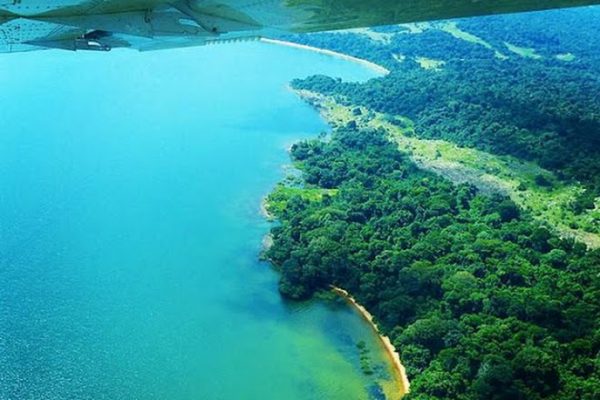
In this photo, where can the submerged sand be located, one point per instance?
(389, 348)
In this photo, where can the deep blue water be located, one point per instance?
(130, 187)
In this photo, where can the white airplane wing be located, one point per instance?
(101, 25)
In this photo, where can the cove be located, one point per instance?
(130, 186)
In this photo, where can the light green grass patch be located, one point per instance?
(415, 28)
(525, 52)
(568, 57)
(279, 197)
(488, 172)
(430, 63)
(399, 57)
(453, 29)
(379, 37)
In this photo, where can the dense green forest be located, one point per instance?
(522, 85)
(482, 301)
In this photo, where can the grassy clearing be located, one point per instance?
(415, 28)
(453, 29)
(430, 63)
(490, 173)
(399, 57)
(379, 37)
(568, 57)
(278, 199)
(525, 52)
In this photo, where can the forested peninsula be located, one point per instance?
(481, 301)
(457, 200)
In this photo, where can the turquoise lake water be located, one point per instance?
(130, 230)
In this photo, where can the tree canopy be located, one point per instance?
(482, 301)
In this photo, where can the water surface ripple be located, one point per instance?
(129, 230)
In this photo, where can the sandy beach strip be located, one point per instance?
(371, 65)
(387, 343)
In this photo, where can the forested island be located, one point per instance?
(457, 200)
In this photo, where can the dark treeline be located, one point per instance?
(544, 110)
(482, 301)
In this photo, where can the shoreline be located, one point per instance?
(388, 347)
(385, 341)
(371, 65)
(264, 211)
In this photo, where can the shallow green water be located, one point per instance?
(129, 230)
